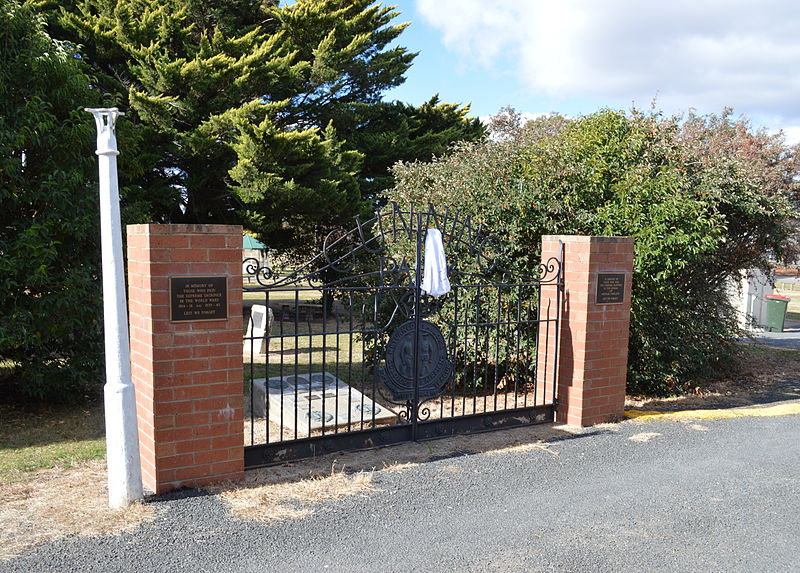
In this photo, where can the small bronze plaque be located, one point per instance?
(198, 298)
(610, 288)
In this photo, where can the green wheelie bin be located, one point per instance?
(776, 312)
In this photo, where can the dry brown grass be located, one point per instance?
(294, 490)
(644, 436)
(56, 502)
(295, 499)
(400, 467)
(518, 448)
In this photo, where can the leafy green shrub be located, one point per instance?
(705, 198)
(482, 319)
(49, 256)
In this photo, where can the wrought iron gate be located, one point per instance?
(348, 352)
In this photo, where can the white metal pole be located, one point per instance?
(122, 438)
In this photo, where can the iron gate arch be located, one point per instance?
(358, 355)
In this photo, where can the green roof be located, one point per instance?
(252, 243)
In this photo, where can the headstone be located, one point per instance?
(320, 399)
(258, 329)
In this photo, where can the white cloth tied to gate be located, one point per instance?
(434, 278)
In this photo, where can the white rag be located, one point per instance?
(434, 279)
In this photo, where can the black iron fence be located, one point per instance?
(349, 352)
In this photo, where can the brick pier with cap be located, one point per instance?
(185, 306)
(593, 343)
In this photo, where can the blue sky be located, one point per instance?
(577, 56)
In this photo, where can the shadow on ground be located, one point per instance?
(767, 374)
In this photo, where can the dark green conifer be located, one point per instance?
(248, 111)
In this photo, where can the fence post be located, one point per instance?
(592, 356)
(185, 285)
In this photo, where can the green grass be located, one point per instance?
(311, 351)
(39, 438)
(757, 351)
(787, 286)
(283, 295)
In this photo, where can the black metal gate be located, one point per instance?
(348, 352)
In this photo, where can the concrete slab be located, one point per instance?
(320, 400)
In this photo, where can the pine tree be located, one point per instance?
(248, 111)
(388, 132)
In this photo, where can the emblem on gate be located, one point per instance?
(433, 367)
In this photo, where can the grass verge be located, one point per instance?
(763, 375)
(53, 478)
(55, 503)
(41, 500)
(48, 437)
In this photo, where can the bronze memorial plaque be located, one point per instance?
(198, 298)
(610, 288)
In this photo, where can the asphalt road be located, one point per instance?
(720, 495)
(789, 338)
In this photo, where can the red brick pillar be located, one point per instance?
(186, 352)
(595, 322)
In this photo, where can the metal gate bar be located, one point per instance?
(263, 455)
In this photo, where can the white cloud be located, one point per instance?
(704, 54)
(791, 134)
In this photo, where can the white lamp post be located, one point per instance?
(122, 438)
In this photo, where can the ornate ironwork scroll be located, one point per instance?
(342, 248)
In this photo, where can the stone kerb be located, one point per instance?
(593, 344)
(187, 372)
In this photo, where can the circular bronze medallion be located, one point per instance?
(433, 368)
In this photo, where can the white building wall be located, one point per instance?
(748, 298)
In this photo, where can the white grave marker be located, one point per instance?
(258, 328)
(330, 404)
